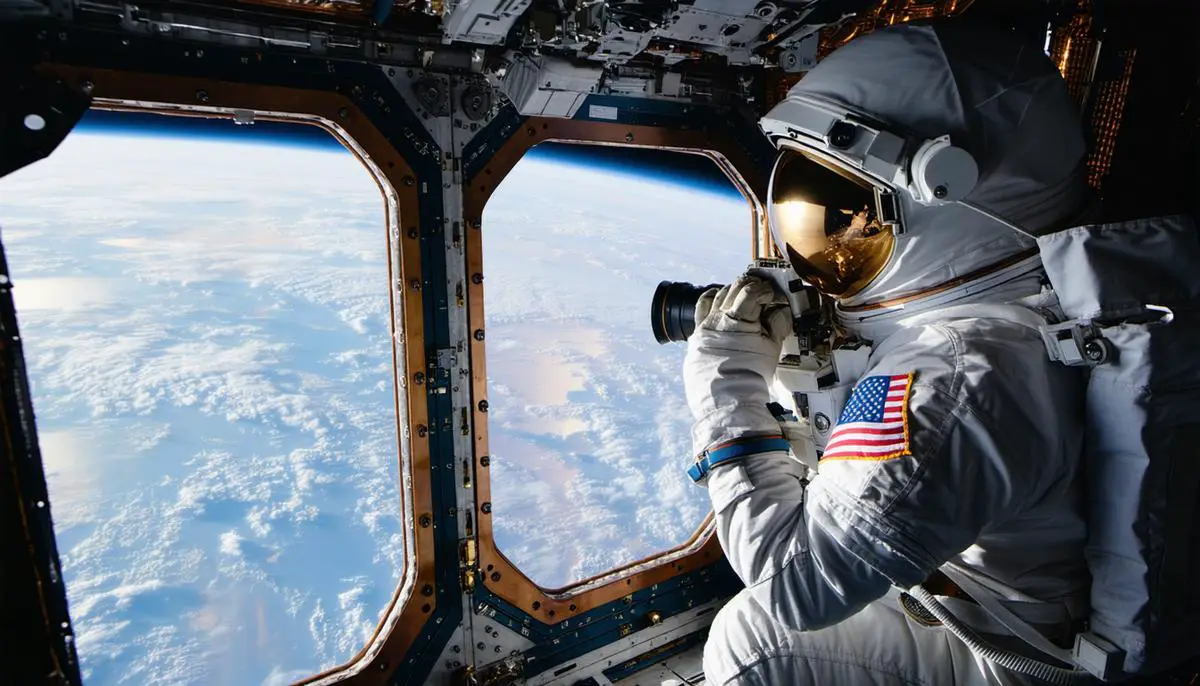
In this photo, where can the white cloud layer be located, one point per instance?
(206, 328)
(207, 331)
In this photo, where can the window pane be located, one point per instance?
(206, 324)
(588, 426)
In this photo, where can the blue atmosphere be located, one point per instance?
(209, 335)
(693, 171)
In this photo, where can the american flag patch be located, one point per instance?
(874, 423)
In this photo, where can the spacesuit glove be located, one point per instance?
(731, 358)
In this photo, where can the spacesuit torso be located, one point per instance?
(994, 430)
(983, 472)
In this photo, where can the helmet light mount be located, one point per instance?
(932, 171)
(942, 173)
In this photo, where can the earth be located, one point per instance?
(206, 326)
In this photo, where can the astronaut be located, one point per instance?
(959, 449)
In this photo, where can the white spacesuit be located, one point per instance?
(960, 446)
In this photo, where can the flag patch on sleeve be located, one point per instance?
(874, 423)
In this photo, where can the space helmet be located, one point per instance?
(920, 156)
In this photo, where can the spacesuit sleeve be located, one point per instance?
(790, 564)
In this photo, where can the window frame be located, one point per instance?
(498, 574)
(406, 614)
(415, 599)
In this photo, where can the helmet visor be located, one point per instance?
(825, 222)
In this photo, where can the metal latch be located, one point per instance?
(1098, 656)
(1077, 343)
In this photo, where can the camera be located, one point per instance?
(816, 370)
(673, 310)
(673, 307)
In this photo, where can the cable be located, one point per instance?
(1009, 660)
(997, 218)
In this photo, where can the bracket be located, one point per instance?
(36, 115)
(1077, 343)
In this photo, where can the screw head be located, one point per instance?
(426, 520)
(427, 590)
(1096, 351)
(422, 430)
(419, 378)
(941, 191)
(486, 508)
(479, 335)
(841, 135)
(483, 406)
(485, 461)
(821, 422)
(477, 278)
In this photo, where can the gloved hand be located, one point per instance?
(731, 359)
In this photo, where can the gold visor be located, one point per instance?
(825, 222)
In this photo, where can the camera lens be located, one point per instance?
(673, 310)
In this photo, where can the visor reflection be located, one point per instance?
(825, 222)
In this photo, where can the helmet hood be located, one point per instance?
(997, 97)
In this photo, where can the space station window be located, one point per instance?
(205, 312)
(588, 427)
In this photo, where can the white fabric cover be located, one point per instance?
(878, 645)
(1002, 101)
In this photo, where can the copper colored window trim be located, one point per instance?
(499, 574)
(406, 614)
